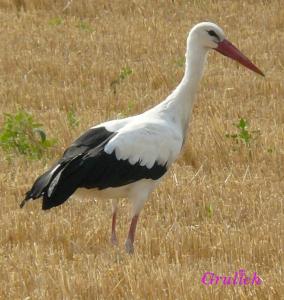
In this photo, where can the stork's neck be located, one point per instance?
(178, 105)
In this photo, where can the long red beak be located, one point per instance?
(228, 49)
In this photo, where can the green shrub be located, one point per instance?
(243, 135)
(72, 119)
(21, 134)
(124, 73)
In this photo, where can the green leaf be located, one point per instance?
(125, 72)
(41, 134)
(209, 210)
(242, 124)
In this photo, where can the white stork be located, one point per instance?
(127, 158)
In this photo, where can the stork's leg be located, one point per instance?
(131, 234)
(137, 205)
(113, 238)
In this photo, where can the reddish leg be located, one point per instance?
(131, 234)
(113, 238)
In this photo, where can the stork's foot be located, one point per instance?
(114, 240)
(129, 247)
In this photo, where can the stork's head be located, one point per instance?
(208, 35)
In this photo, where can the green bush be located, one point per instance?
(22, 134)
(243, 135)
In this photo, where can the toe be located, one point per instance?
(129, 246)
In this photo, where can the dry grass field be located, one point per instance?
(221, 206)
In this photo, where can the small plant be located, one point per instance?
(22, 134)
(180, 62)
(244, 135)
(124, 73)
(209, 210)
(72, 119)
(55, 21)
(84, 25)
(130, 105)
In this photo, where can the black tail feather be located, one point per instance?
(70, 177)
(66, 182)
(57, 184)
(41, 184)
(63, 185)
(60, 182)
(22, 204)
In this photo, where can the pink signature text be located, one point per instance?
(239, 278)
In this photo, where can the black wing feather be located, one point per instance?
(111, 172)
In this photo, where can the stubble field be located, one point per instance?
(219, 209)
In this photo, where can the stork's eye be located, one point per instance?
(213, 33)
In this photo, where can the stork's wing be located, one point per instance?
(146, 143)
(102, 159)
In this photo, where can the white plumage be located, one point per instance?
(146, 139)
(127, 158)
